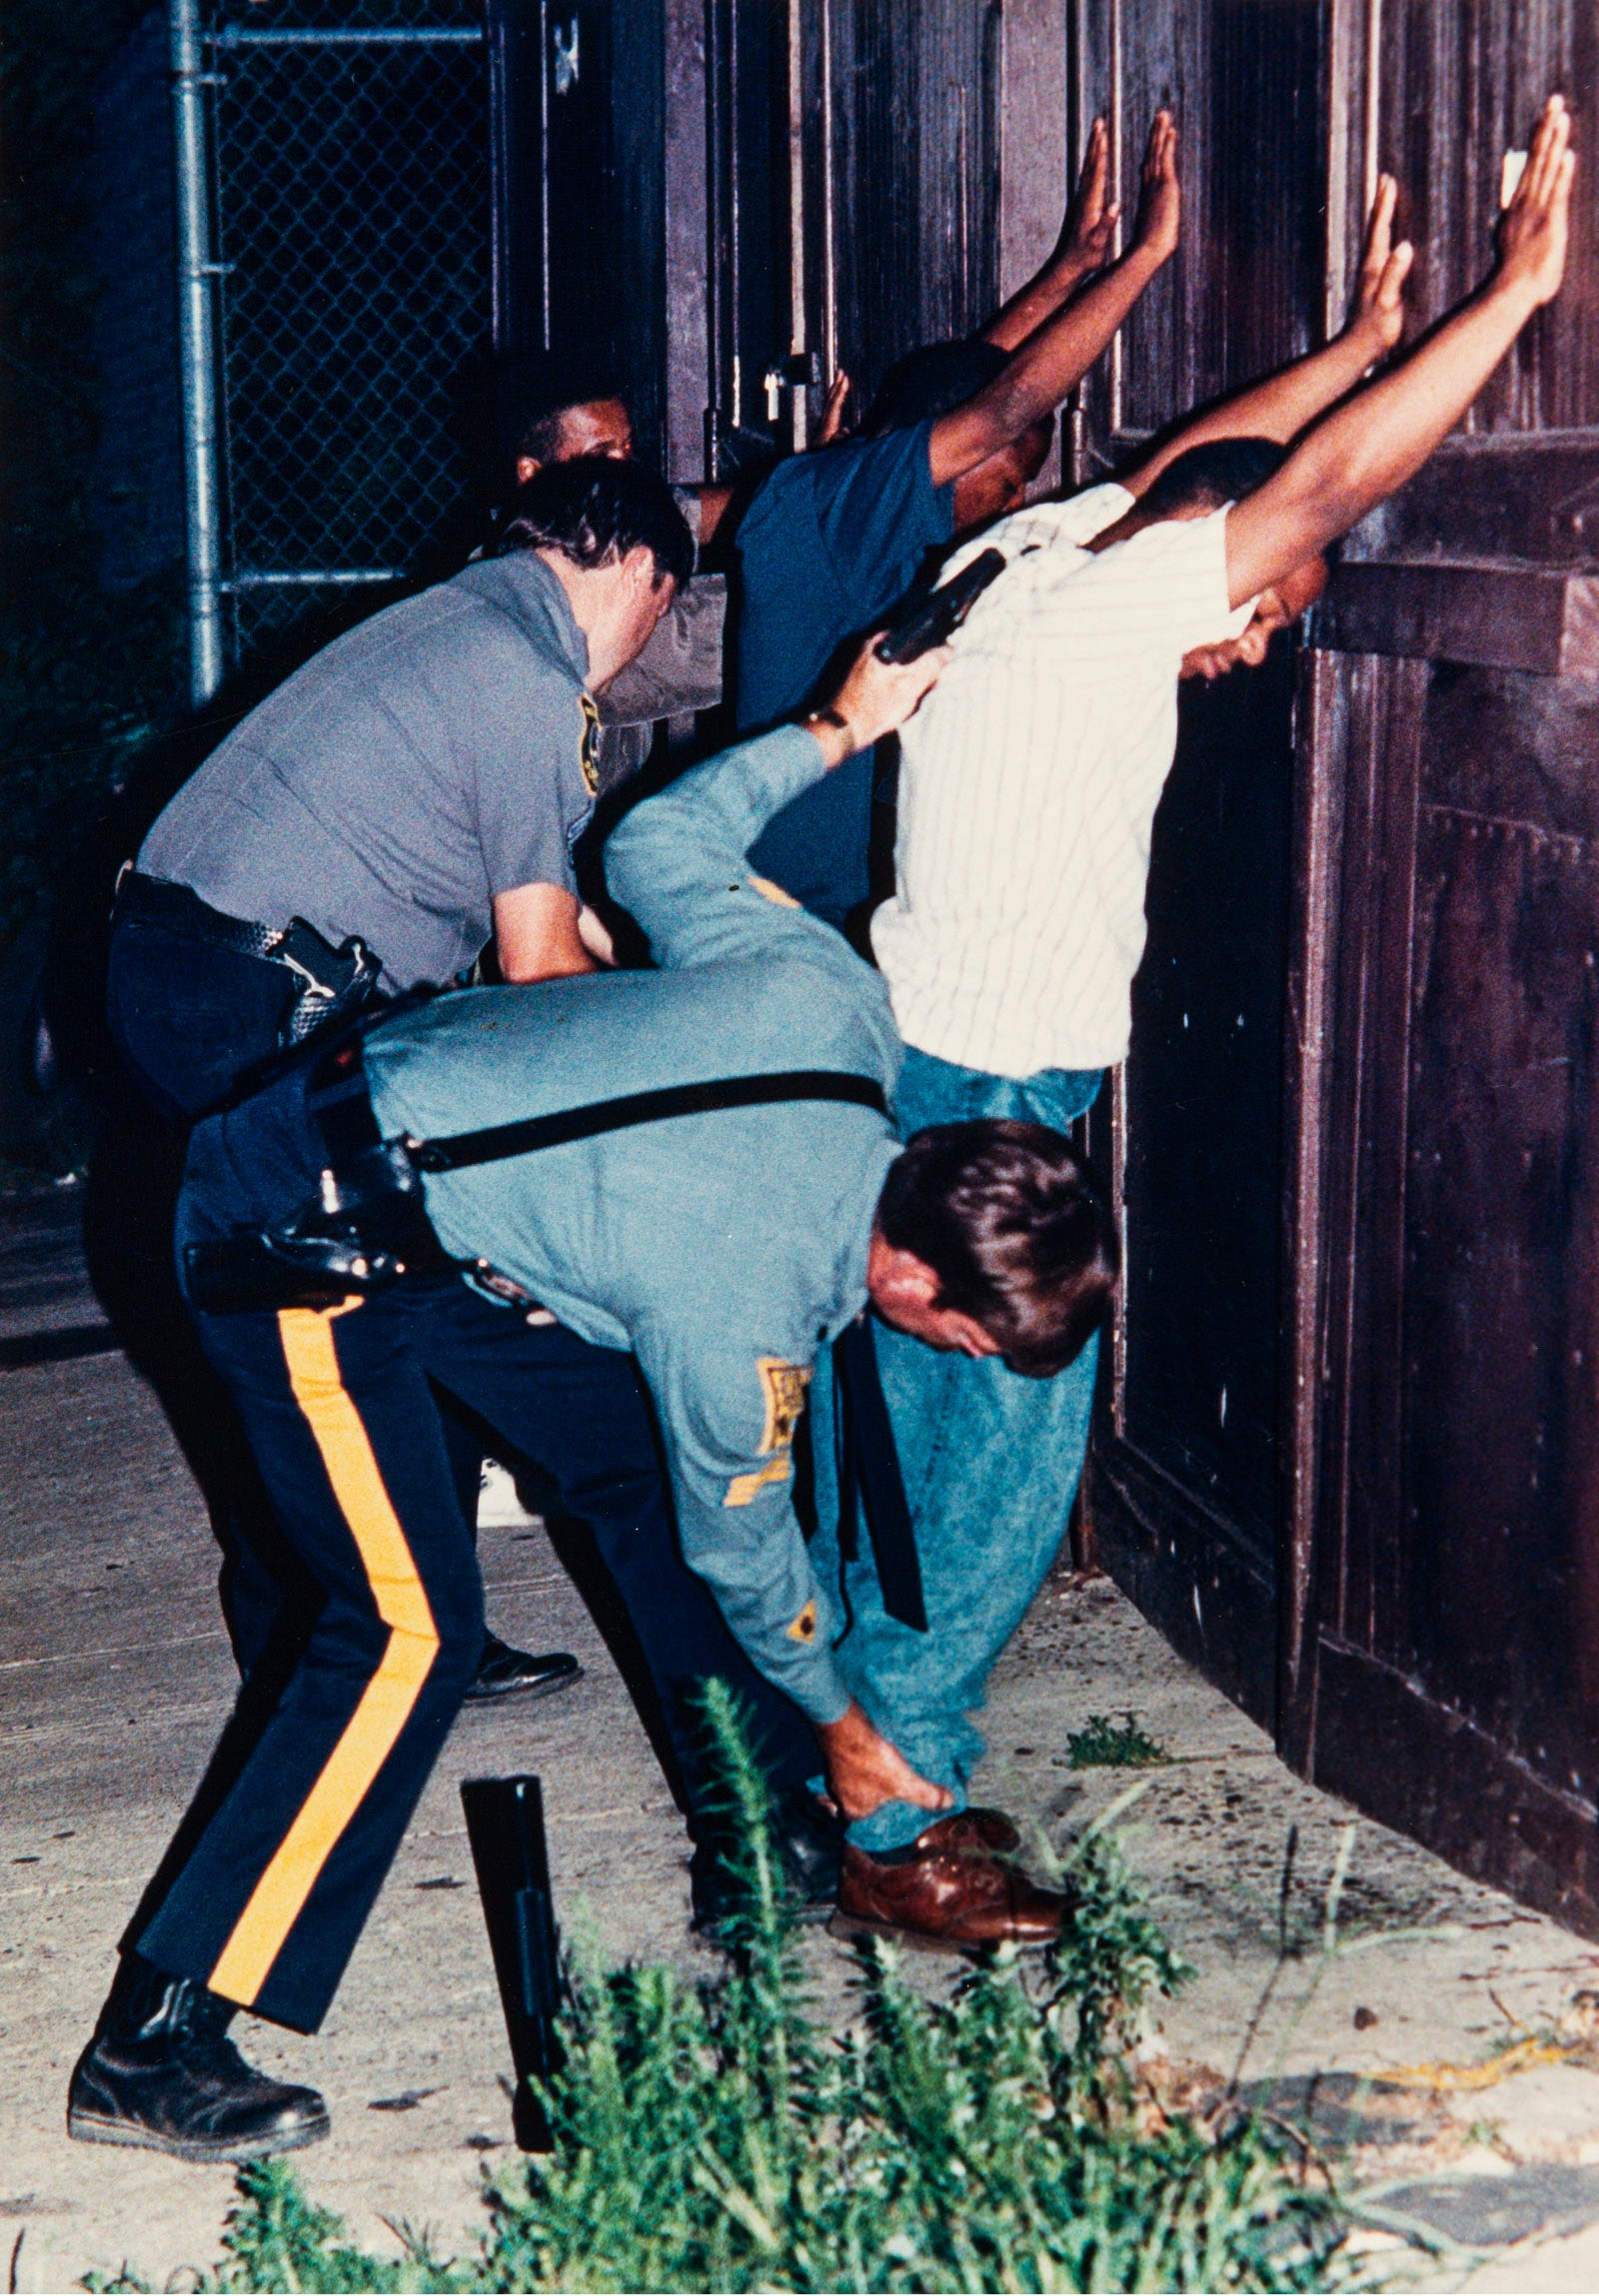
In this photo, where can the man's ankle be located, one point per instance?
(894, 1827)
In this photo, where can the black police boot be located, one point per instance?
(161, 2073)
(501, 1670)
(809, 1842)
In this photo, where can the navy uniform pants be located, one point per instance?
(263, 1894)
(190, 1021)
(266, 1907)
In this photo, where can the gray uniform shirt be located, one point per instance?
(438, 754)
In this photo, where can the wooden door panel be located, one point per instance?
(1186, 1490)
(1369, 960)
(1497, 1612)
(1427, 1770)
(1187, 1504)
(1461, 82)
(1454, 1554)
(1245, 79)
(1209, 1593)
(1204, 1110)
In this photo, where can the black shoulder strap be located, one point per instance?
(530, 1132)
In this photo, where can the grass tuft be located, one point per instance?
(1105, 1744)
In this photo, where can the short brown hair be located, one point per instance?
(1015, 1226)
(594, 511)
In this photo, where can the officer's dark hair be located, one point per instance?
(1221, 470)
(595, 509)
(533, 392)
(1015, 1226)
(931, 382)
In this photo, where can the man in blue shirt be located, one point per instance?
(721, 1250)
(831, 540)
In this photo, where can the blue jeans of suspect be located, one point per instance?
(990, 1462)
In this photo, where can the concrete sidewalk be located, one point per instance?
(115, 1677)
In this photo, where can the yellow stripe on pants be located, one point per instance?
(370, 1734)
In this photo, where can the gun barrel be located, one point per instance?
(505, 1827)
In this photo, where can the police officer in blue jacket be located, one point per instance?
(716, 1238)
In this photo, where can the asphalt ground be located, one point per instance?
(115, 1678)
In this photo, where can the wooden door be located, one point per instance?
(1185, 1491)
(1441, 1650)
(578, 233)
(1394, 1559)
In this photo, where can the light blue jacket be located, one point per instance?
(721, 1249)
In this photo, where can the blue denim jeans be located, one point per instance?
(990, 1462)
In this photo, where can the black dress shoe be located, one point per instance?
(162, 2073)
(502, 1670)
(810, 1844)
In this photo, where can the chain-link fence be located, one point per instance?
(351, 243)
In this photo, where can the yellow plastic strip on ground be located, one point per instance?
(386, 1705)
(1518, 2058)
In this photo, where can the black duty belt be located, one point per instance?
(367, 1227)
(334, 982)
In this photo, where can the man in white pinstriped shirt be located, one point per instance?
(1028, 786)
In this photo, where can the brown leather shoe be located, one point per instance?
(943, 1898)
(967, 1830)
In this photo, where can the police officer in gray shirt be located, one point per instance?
(411, 794)
(416, 789)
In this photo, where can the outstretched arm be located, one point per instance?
(1282, 406)
(1057, 356)
(1083, 245)
(679, 861)
(1370, 446)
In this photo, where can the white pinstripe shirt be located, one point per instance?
(1030, 781)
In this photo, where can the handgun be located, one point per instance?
(932, 620)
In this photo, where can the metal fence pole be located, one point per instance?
(197, 349)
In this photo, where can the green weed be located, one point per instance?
(1105, 1744)
(716, 2135)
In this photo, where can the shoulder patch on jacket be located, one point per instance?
(782, 1389)
(784, 1386)
(588, 743)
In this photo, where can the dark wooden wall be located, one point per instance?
(1370, 988)
(916, 170)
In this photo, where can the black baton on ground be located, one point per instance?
(505, 1826)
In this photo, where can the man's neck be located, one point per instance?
(590, 594)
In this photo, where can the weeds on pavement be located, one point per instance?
(1105, 1744)
(716, 2135)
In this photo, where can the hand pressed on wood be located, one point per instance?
(1159, 197)
(1089, 225)
(1533, 228)
(1378, 309)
